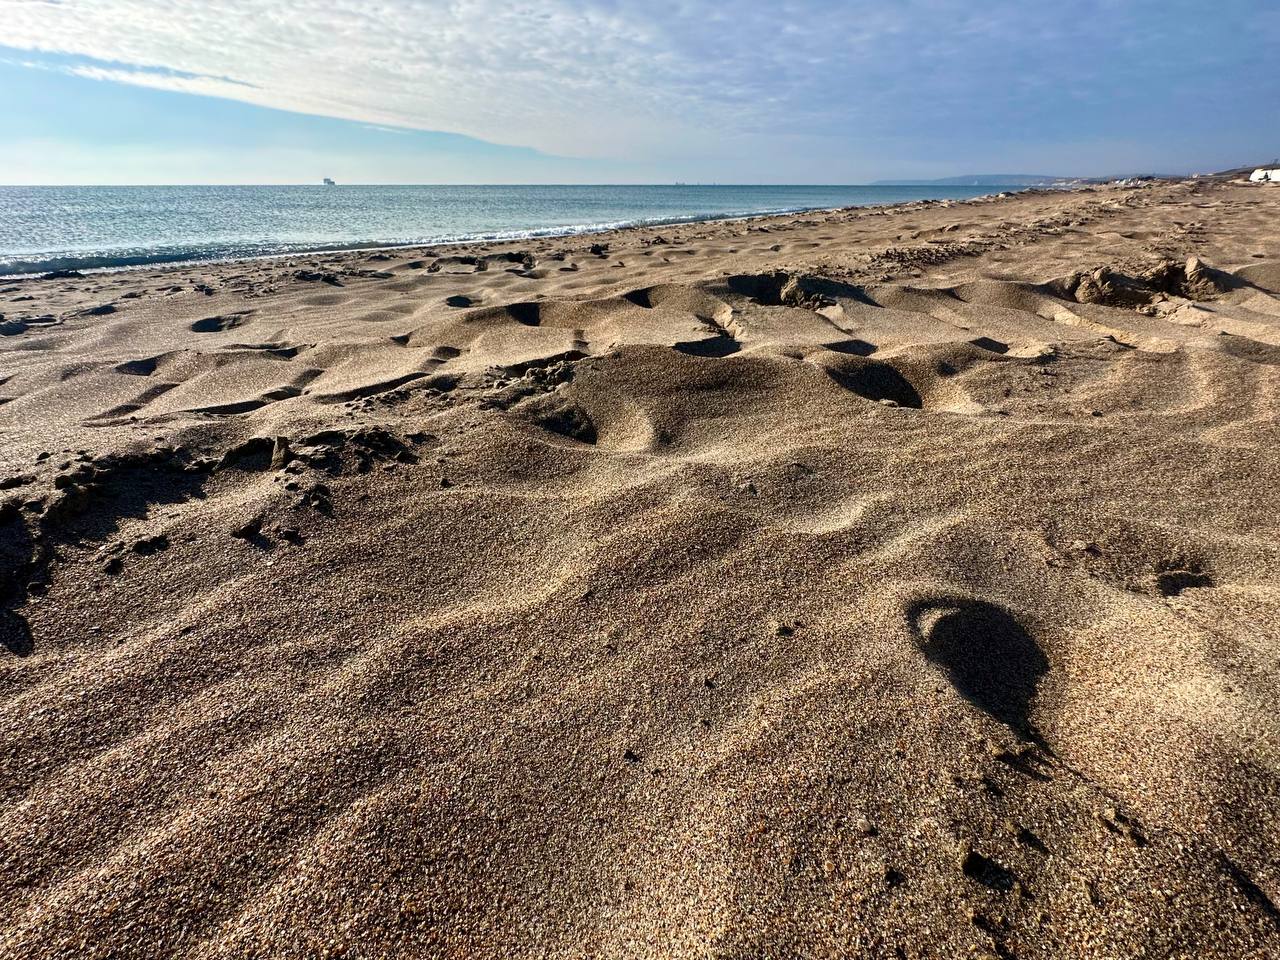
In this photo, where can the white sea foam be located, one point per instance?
(113, 228)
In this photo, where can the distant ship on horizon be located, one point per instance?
(330, 182)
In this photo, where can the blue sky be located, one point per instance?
(429, 91)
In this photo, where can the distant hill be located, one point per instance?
(982, 180)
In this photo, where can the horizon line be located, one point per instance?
(884, 182)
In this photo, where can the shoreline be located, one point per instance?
(71, 263)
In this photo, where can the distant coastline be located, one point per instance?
(1020, 180)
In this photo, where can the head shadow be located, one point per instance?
(987, 655)
(17, 561)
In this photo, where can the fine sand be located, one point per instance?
(892, 583)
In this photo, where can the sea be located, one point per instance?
(110, 228)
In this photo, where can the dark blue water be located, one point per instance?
(46, 228)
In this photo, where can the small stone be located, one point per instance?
(281, 454)
(248, 531)
(318, 498)
(149, 545)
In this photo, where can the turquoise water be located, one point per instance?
(85, 228)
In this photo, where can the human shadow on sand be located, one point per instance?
(987, 655)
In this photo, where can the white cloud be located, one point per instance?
(560, 76)
(176, 82)
(652, 80)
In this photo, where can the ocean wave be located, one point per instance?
(135, 257)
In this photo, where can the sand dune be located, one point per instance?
(894, 582)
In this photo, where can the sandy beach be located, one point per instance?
(896, 582)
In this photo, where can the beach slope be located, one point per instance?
(896, 582)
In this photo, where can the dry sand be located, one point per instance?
(842, 584)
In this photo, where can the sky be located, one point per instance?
(607, 91)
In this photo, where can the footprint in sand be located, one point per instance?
(136, 404)
(138, 368)
(220, 323)
(878, 382)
